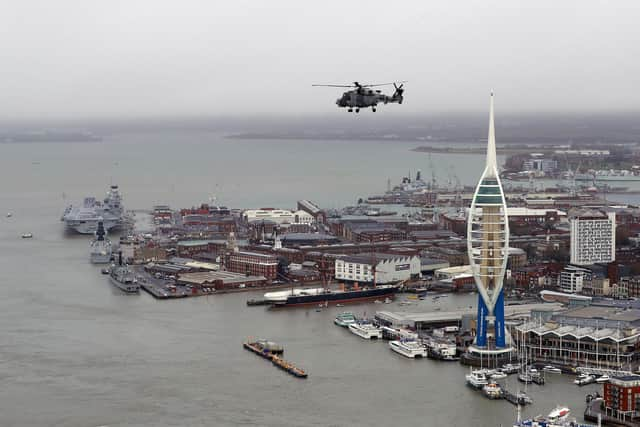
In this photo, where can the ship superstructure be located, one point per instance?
(101, 248)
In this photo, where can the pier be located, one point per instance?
(273, 356)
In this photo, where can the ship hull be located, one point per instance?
(130, 288)
(100, 258)
(90, 226)
(347, 297)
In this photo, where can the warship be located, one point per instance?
(100, 246)
(123, 277)
(84, 219)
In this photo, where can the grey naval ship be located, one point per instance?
(84, 219)
(101, 249)
(123, 277)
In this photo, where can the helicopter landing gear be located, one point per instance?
(357, 110)
(350, 110)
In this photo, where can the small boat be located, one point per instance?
(523, 398)
(552, 369)
(377, 301)
(387, 300)
(498, 375)
(9, 214)
(476, 379)
(367, 331)
(584, 379)
(603, 379)
(408, 348)
(405, 303)
(525, 377)
(344, 319)
(510, 368)
(492, 391)
(339, 305)
(27, 235)
(104, 271)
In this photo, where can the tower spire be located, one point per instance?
(492, 164)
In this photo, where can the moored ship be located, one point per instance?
(123, 277)
(100, 247)
(84, 219)
(316, 296)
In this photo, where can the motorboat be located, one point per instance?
(510, 368)
(492, 390)
(344, 319)
(477, 379)
(552, 369)
(408, 348)
(603, 379)
(584, 379)
(498, 375)
(27, 235)
(367, 331)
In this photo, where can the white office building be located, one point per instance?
(593, 237)
(389, 268)
(573, 279)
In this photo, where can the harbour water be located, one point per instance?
(77, 352)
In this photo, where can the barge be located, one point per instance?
(272, 351)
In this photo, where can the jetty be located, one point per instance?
(272, 351)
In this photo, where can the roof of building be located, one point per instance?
(308, 236)
(227, 277)
(367, 258)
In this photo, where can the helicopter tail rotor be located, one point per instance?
(397, 95)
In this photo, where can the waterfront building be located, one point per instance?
(487, 246)
(319, 215)
(389, 268)
(540, 164)
(593, 237)
(221, 280)
(622, 397)
(278, 216)
(598, 337)
(572, 279)
(252, 263)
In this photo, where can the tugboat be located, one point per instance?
(122, 276)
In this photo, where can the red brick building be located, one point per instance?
(622, 396)
(252, 263)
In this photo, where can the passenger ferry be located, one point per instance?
(477, 379)
(344, 319)
(367, 331)
(410, 349)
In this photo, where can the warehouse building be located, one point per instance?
(389, 268)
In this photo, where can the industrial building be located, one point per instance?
(221, 280)
(593, 237)
(389, 268)
(252, 263)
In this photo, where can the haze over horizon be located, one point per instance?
(73, 59)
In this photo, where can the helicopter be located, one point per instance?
(362, 96)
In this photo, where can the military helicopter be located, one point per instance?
(362, 96)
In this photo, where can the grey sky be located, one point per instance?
(81, 58)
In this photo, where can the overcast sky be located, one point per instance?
(79, 58)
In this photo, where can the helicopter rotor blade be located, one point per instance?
(386, 84)
(334, 85)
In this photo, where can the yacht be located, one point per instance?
(603, 379)
(492, 390)
(552, 369)
(477, 379)
(407, 348)
(559, 417)
(367, 331)
(498, 375)
(584, 379)
(511, 368)
(344, 319)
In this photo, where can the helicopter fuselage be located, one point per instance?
(365, 98)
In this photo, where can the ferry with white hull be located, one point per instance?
(367, 331)
(410, 349)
